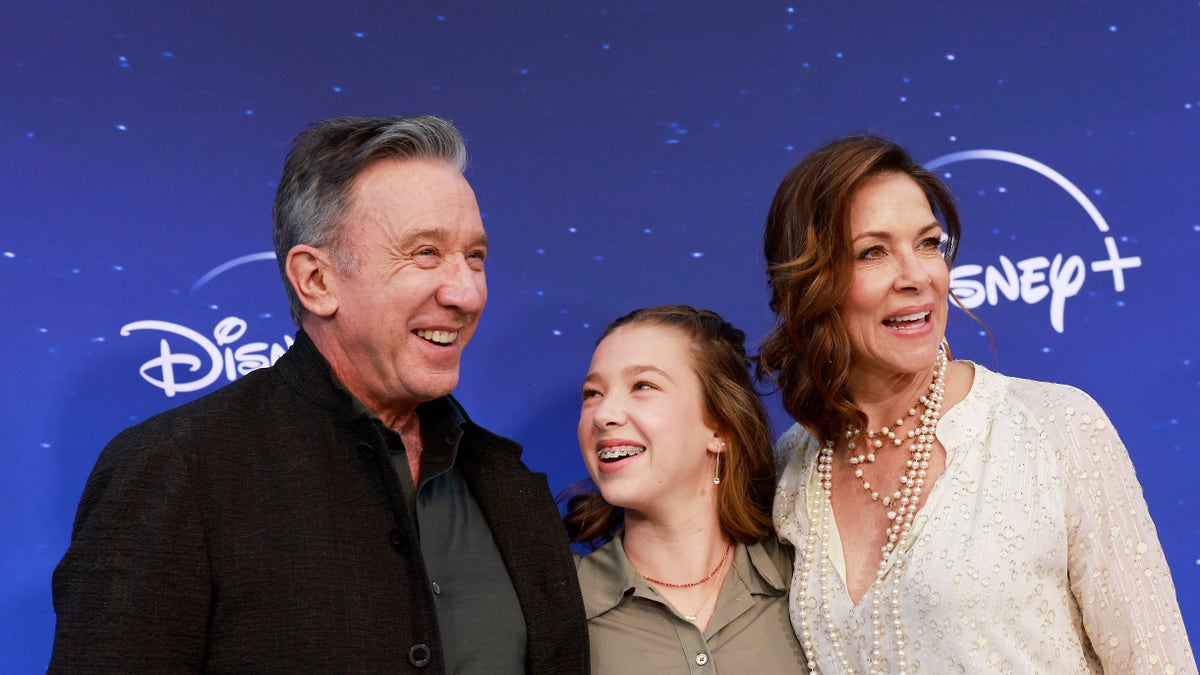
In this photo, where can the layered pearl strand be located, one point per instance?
(905, 500)
(875, 442)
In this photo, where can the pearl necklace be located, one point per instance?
(876, 441)
(900, 519)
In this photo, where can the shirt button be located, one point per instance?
(366, 450)
(437, 590)
(701, 659)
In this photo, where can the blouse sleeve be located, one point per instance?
(1117, 569)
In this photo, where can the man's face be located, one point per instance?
(408, 307)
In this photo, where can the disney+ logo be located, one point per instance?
(1034, 279)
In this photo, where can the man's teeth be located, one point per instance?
(441, 337)
(619, 452)
(919, 316)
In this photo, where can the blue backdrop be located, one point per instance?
(624, 154)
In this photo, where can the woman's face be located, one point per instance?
(895, 313)
(641, 426)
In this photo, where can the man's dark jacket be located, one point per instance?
(263, 528)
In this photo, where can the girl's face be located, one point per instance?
(642, 430)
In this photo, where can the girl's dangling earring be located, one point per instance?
(717, 475)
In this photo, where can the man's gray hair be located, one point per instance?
(314, 191)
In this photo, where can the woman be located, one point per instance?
(687, 573)
(945, 518)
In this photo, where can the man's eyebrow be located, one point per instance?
(440, 234)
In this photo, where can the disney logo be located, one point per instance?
(218, 354)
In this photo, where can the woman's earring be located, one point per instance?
(717, 476)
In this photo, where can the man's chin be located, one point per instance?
(433, 387)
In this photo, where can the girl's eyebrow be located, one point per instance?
(632, 371)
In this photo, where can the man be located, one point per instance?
(338, 511)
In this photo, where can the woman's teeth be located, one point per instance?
(907, 318)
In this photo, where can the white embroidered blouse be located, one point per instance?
(1034, 552)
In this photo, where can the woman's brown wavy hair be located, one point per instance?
(731, 406)
(810, 264)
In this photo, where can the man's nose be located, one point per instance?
(463, 286)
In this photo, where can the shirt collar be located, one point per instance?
(607, 577)
(442, 422)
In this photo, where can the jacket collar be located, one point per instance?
(305, 371)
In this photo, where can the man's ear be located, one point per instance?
(310, 271)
